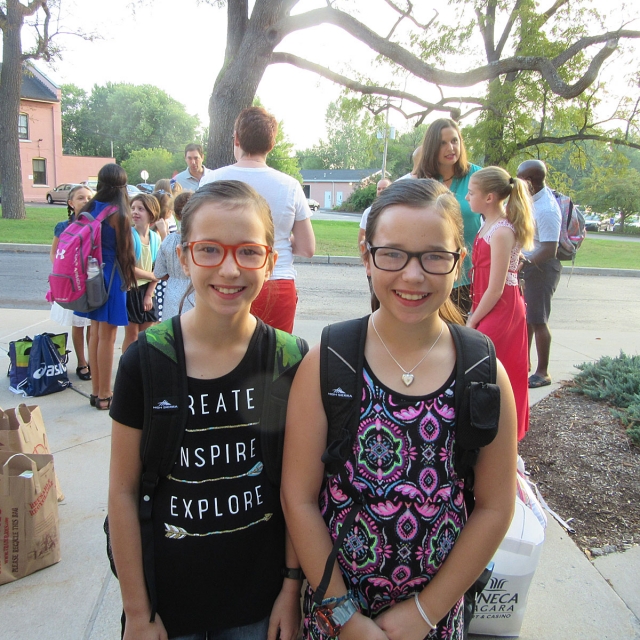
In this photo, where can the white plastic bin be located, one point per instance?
(500, 607)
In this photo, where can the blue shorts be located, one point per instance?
(255, 631)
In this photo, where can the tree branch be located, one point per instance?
(507, 28)
(32, 8)
(532, 142)
(551, 11)
(42, 50)
(282, 57)
(548, 68)
(409, 14)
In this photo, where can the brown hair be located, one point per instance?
(180, 203)
(420, 194)
(165, 203)
(231, 194)
(70, 211)
(427, 165)
(112, 189)
(149, 203)
(519, 207)
(194, 146)
(256, 130)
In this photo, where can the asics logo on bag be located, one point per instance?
(340, 393)
(49, 371)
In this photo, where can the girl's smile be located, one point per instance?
(412, 293)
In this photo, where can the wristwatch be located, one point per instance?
(331, 620)
(293, 574)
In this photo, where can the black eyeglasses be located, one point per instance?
(438, 263)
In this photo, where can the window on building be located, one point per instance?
(23, 126)
(39, 171)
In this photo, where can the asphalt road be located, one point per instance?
(23, 285)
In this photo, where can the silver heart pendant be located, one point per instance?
(407, 378)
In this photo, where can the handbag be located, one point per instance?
(29, 523)
(46, 371)
(22, 431)
(19, 353)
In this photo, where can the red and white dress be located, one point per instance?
(506, 323)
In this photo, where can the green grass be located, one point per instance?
(336, 238)
(36, 228)
(614, 254)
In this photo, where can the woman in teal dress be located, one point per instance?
(444, 158)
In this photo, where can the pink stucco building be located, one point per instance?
(40, 129)
(331, 187)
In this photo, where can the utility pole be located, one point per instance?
(389, 134)
(386, 144)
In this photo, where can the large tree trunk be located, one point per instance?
(250, 43)
(10, 82)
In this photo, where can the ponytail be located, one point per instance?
(519, 209)
(520, 214)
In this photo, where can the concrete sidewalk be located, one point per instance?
(78, 598)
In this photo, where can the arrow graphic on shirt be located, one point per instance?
(256, 470)
(178, 533)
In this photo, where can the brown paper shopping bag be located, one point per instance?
(29, 525)
(22, 431)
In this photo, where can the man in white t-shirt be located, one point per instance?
(190, 178)
(254, 136)
(541, 272)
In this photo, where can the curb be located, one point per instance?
(351, 260)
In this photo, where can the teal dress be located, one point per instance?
(470, 220)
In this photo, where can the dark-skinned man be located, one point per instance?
(541, 271)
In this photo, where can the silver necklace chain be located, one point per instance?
(407, 376)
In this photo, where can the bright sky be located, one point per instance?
(178, 45)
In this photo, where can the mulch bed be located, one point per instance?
(587, 470)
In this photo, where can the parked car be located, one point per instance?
(592, 222)
(314, 205)
(60, 193)
(132, 191)
(145, 187)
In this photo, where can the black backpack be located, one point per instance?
(477, 407)
(164, 377)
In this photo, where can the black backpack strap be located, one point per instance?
(341, 364)
(477, 398)
(164, 379)
(284, 354)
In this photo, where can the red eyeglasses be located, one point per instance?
(212, 254)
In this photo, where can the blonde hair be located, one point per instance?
(419, 194)
(165, 184)
(519, 208)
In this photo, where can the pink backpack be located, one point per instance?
(69, 284)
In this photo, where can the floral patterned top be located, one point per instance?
(402, 462)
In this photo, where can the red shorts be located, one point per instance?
(276, 304)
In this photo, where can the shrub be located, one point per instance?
(617, 381)
(360, 199)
